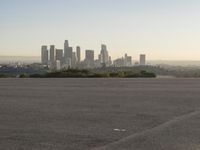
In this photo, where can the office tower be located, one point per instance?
(67, 60)
(66, 45)
(89, 55)
(100, 58)
(74, 59)
(44, 55)
(97, 62)
(68, 53)
(118, 62)
(104, 54)
(52, 54)
(142, 59)
(67, 50)
(110, 61)
(127, 61)
(59, 54)
(58, 65)
(78, 54)
(68, 63)
(89, 58)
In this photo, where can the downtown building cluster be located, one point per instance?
(67, 58)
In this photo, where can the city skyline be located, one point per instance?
(164, 30)
(55, 58)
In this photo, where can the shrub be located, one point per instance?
(23, 76)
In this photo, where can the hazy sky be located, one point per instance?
(163, 29)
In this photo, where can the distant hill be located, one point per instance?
(21, 59)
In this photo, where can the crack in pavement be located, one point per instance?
(146, 136)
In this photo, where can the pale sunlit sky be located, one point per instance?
(162, 29)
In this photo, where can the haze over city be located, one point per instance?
(164, 30)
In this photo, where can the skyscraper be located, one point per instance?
(110, 61)
(52, 54)
(104, 55)
(67, 50)
(66, 45)
(58, 65)
(142, 59)
(59, 54)
(89, 58)
(127, 61)
(100, 57)
(74, 59)
(78, 54)
(44, 55)
(119, 62)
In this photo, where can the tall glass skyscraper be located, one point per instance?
(104, 55)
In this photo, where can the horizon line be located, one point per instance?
(116, 58)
